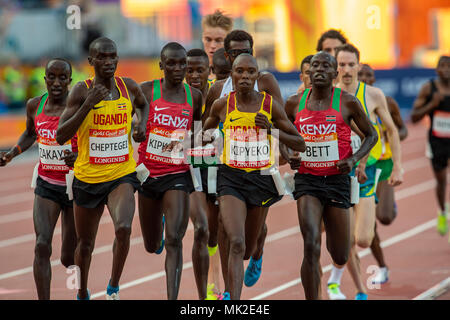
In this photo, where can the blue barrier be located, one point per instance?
(403, 84)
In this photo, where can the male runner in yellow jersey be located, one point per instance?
(100, 111)
(248, 117)
(374, 103)
(386, 209)
(238, 42)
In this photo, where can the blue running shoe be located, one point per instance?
(253, 272)
(361, 296)
(112, 293)
(88, 297)
(225, 296)
(161, 247)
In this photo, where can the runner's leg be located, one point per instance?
(86, 224)
(69, 237)
(175, 206)
(200, 257)
(45, 216)
(121, 205)
(233, 212)
(309, 210)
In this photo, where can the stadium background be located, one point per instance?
(401, 39)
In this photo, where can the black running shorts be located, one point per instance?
(155, 188)
(53, 192)
(440, 148)
(254, 188)
(330, 190)
(91, 195)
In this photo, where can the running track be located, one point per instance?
(417, 256)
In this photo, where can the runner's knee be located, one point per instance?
(85, 247)
(123, 233)
(312, 248)
(43, 248)
(237, 245)
(201, 233)
(364, 242)
(67, 259)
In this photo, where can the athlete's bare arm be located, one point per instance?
(147, 90)
(382, 112)
(268, 83)
(420, 107)
(394, 110)
(352, 110)
(140, 107)
(79, 103)
(213, 95)
(27, 138)
(291, 106)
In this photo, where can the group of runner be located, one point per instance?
(212, 133)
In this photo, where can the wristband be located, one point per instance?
(18, 148)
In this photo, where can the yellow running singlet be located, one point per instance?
(105, 151)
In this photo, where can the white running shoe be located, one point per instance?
(381, 277)
(114, 296)
(334, 293)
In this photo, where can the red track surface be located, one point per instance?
(417, 260)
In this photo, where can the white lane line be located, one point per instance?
(31, 236)
(273, 237)
(435, 291)
(17, 198)
(16, 216)
(389, 242)
(18, 183)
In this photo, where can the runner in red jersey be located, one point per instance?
(322, 115)
(173, 107)
(54, 162)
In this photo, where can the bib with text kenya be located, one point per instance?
(167, 122)
(247, 146)
(326, 135)
(104, 139)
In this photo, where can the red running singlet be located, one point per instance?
(167, 121)
(51, 167)
(326, 135)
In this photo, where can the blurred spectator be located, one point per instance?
(78, 74)
(14, 86)
(36, 82)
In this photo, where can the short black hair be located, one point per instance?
(307, 60)
(441, 59)
(333, 59)
(331, 34)
(237, 35)
(348, 48)
(197, 53)
(62, 60)
(219, 57)
(100, 40)
(172, 46)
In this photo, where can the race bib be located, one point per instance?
(202, 156)
(249, 154)
(355, 142)
(159, 138)
(441, 124)
(50, 154)
(108, 146)
(322, 151)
